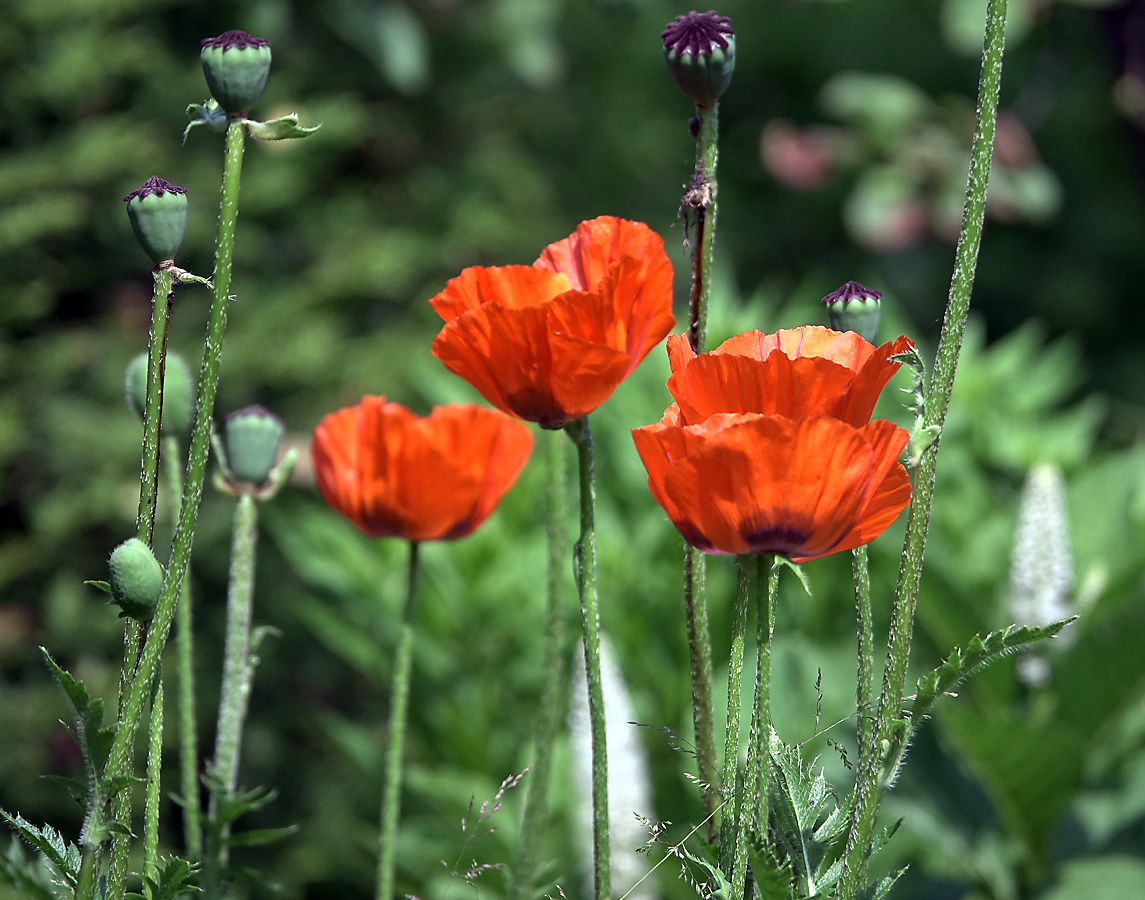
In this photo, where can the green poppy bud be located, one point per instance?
(178, 391)
(701, 52)
(854, 308)
(236, 66)
(136, 579)
(158, 214)
(251, 437)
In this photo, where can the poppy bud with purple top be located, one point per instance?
(700, 50)
(252, 437)
(236, 66)
(854, 308)
(158, 213)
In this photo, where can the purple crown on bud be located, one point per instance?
(852, 290)
(697, 33)
(157, 186)
(235, 40)
(854, 307)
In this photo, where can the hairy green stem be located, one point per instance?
(730, 824)
(119, 760)
(154, 774)
(869, 784)
(865, 680)
(399, 703)
(695, 600)
(184, 649)
(585, 566)
(238, 673)
(536, 800)
(753, 813)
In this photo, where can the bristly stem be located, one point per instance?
(119, 758)
(868, 785)
(184, 648)
(585, 567)
(753, 814)
(730, 823)
(865, 680)
(702, 200)
(238, 673)
(154, 773)
(164, 281)
(399, 703)
(695, 599)
(548, 720)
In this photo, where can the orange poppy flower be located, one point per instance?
(816, 372)
(394, 474)
(802, 488)
(550, 342)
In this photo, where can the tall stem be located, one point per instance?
(154, 773)
(864, 689)
(399, 702)
(937, 403)
(695, 600)
(238, 672)
(730, 824)
(164, 281)
(536, 800)
(119, 758)
(753, 814)
(184, 648)
(585, 565)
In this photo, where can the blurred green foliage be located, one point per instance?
(458, 133)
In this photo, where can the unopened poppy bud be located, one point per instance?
(158, 213)
(236, 66)
(701, 52)
(136, 579)
(178, 391)
(252, 437)
(854, 308)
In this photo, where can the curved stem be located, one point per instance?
(154, 773)
(119, 758)
(184, 648)
(868, 789)
(536, 800)
(581, 435)
(729, 826)
(399, 702)
(238, 672)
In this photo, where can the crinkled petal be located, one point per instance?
(510, 286)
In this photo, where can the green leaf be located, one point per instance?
(773, 878)
(94, 739)
(31, 879)
(76, 788)
(809, 823)
(260, 836)
(798, 570)
(64, 856)
(100, 585)
(282, 129)
(174, 879)
(882, 888)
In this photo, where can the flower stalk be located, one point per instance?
(536, 801)
(238, 672)
(870, 781)
(399, 702)
(185, 660)
(864, 684)
(154, 773)
(730, 825)
(119, 758)
(585, 568)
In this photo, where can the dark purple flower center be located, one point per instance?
(235, 40)
(697, 33)
(155, 185)
(852, 290)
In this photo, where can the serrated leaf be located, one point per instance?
(174, 879)
(804, 804)
(76, 788)
(49, 842)
(94, 739)
(29, 876)
(282, 129)
(961, 664)
(119, 782)
(773, 878)
(260, 836)
(798, 570)
(880, 890)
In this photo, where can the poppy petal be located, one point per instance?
(510, 286)
(588, 254)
